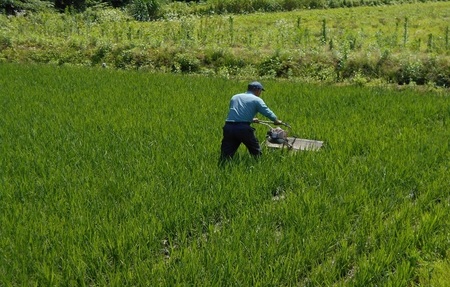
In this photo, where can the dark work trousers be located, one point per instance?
(233, 135)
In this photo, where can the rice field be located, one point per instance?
(111, 178)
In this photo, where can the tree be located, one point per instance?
(11, 7)
(145, 10)
(78, 5)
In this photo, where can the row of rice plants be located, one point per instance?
(111, 178)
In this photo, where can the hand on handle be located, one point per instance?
(277, 122)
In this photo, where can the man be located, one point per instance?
(242, 112)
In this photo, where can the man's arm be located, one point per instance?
(265, 111)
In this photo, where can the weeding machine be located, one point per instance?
(278, 138)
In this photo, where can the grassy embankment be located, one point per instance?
(404, 44)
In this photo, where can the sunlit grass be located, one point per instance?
(402, 44)
(111, 178)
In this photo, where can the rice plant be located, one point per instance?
(111, 178)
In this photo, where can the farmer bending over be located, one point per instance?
(237, 129)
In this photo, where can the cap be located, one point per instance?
(255, 85)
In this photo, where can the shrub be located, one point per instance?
(278, 67)
(100, 53)
(411, 70)
(359, 63)
(105, 14)
(270, 67)
(5, 42)
(222, 58)
(76, 5)
(123, 57)
(145, 10)
(245, 6)
(185, 63)
(437, 71)
(11, 7)
(290, 5)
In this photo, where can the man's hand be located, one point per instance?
(255, 120)
(277, 122)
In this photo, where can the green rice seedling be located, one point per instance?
(111, 178)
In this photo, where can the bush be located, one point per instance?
(5, 42)
(77, 5)
(411, 70)
(222, 58)
(100, 53)
(11, 7)
(185, 63)
(278, 67)
(245, 6)
(290, 5)
(145, 10)
(438, 71)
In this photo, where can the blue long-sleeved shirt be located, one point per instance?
(245, 106)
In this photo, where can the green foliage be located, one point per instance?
(145, 10)
(218, 58)
(5, 42)
(12, 7)
(278, 66)
(110, 177)
(411, 70)
(240, 6)
(185, 63)
(437, 273)
(76, 5)
(335, 45)
(245, 6)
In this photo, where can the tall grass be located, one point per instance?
(111, 178)
(404, 44)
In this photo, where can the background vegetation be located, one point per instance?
(403, 44)
(110, 178)
(156, 8)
